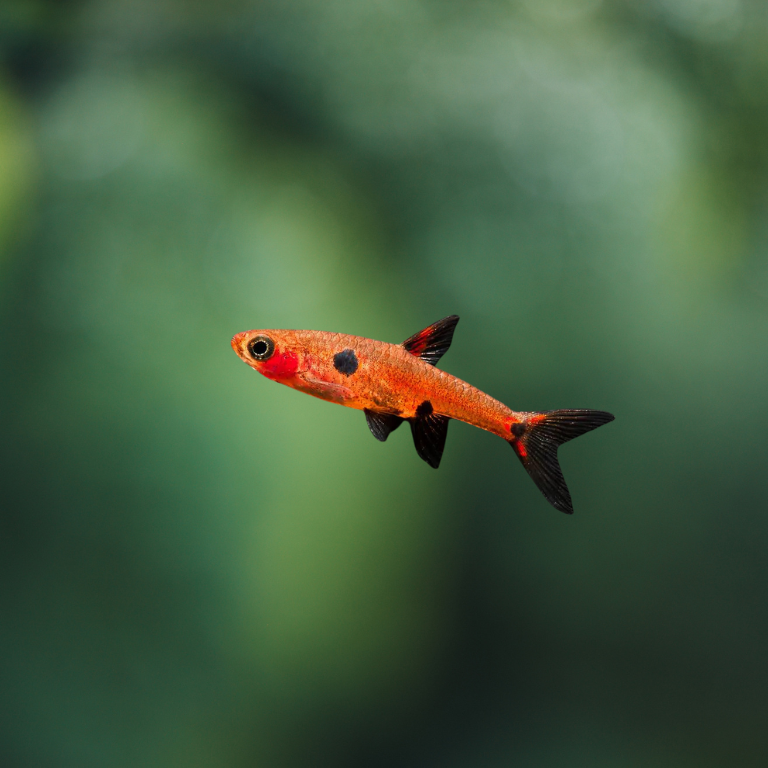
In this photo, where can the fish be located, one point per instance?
(393, 383)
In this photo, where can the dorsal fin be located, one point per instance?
(433, 342)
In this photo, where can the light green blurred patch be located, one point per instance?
(93, 123)
(562, 11)
(340, 595)
(18, 168)
(701, 234)
(712, 21)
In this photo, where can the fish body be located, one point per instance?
(386, 377)
(393, 383)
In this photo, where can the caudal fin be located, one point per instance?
(536, 440)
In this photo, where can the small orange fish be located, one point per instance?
(392, 383)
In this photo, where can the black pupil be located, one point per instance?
(260, 348)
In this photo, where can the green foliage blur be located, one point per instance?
(201, 568)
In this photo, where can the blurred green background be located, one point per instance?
(200, 568)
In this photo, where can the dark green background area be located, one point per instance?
(200, 568)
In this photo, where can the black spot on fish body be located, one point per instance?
(425, 409)
(517, 429)
(345, 362)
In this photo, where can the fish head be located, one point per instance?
(276, 354)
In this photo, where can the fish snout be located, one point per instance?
(237, 342)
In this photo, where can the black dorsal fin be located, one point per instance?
(381, 424)
(433, 342)
(429, 432)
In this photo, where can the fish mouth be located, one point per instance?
(237, 343)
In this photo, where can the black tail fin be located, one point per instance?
(536, 440)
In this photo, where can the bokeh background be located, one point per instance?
(200, 568)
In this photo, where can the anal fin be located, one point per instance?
(381, 424)
(429, 433)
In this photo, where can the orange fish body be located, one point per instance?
(393, 383)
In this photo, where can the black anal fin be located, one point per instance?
(429, 433)
(381, 424)
(433, 342)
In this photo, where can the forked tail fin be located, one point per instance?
(536, 440)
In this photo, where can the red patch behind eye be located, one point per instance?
(280, 366)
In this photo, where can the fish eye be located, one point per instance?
(261, 347)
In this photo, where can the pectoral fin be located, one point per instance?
(325, 390)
